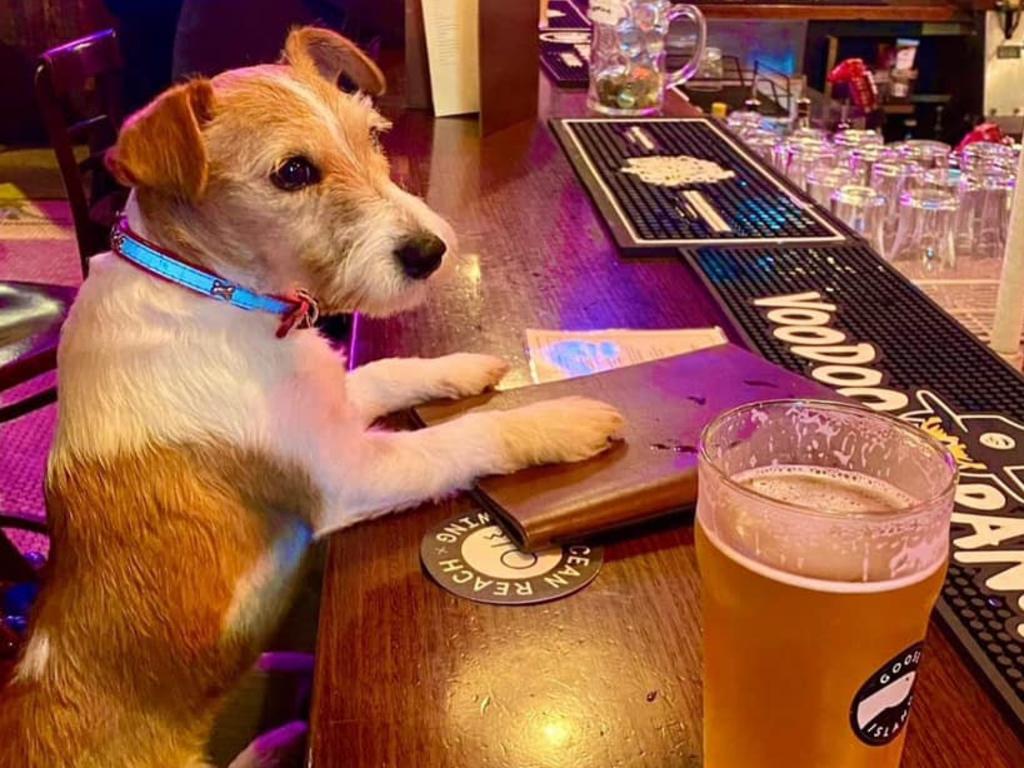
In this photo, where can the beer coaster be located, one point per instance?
(844, 317)
(667, 183)
(471, 557)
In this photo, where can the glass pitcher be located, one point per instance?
(627, 54)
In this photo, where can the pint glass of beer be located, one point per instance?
(822, 536)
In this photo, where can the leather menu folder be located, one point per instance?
(653, 471)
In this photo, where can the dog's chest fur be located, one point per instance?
(145, 363)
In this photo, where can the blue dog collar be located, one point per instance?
(300, 312)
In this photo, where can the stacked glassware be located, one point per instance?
(914, 201)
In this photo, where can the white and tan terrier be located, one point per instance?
(197, 452)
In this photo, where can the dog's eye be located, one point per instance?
(295, 173)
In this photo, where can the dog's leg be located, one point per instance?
(386, 386)
(385, 471)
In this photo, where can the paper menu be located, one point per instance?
(558, 355)
(451, 28)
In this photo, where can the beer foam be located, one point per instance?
(854, 554)
(826, 490)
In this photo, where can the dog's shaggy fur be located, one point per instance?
(196, 454)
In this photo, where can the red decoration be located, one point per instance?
(855, 75)
(983, 132)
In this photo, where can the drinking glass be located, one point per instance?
(798, 157)
(925, 152)
(860, 160)
(985, 199)
(963, 188)
(891, 178)
(946, 178)
(822, 182)
(710, 72)
(822, 539)
(627, 54)
(744, 121)
(862, 209)
(780, 156)
(762, 142)
(976, 158)
(924, 233)
(856, 137)
(806, 132)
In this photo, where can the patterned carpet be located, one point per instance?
(37, 245)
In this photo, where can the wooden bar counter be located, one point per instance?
(411, 676)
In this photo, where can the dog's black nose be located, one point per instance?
(420, 256)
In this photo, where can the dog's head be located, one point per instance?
(273, 175)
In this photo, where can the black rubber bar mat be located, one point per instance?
(565, 56)
(565, 14)
(845, 318)
(667, 183)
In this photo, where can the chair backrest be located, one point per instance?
(78, 86)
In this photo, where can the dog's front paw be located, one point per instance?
(466, 374)
(566, 429)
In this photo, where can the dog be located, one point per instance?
(200, 447)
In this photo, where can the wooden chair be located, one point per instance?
(30, 319)
(78, 86)
(31, 314)
(81, 76)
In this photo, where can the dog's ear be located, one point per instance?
(161, 146)
(330, 55)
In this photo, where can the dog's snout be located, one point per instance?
(421, 255)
